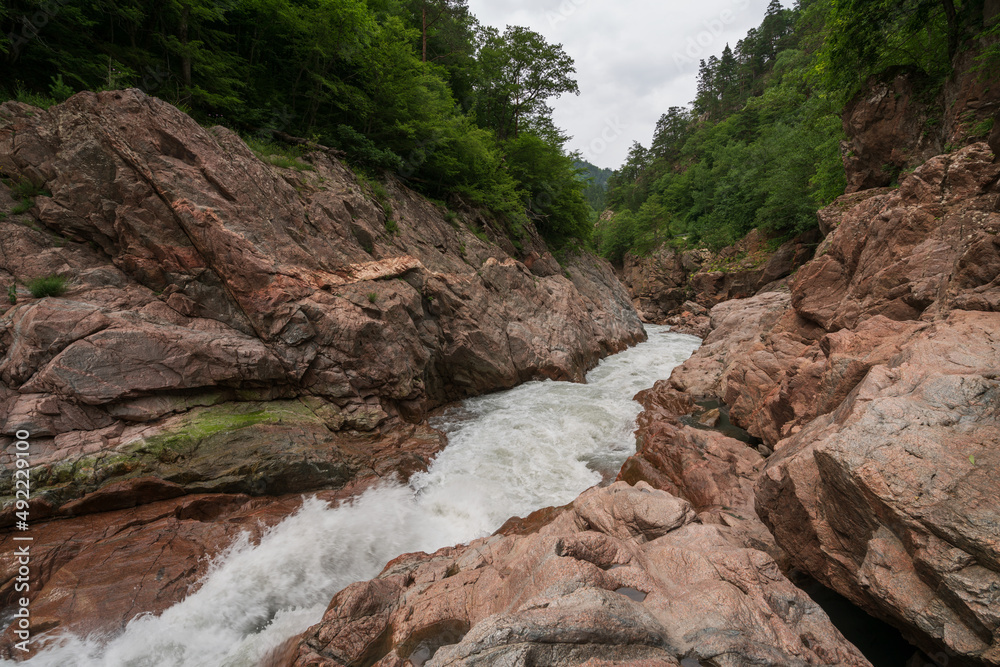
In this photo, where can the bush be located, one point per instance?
(286, 157)
(363, 152)
(25, 189)
(381, 194)
(33, 99)
(552, 189)
(59, 90)
(12, 294)
(48, 286)
(984, 128)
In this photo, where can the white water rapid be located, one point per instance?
(510, 453)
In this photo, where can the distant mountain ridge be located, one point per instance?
(596, 192)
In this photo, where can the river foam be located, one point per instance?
(510, 453)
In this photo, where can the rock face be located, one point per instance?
(712, 471)
(888, 125)
(896, 261)
(658, 282)
(625, 576)
(210, 291)
(892, 498)
(875, 383)
(902, 119)
(666, 282)
(736, 329)
(232, 327)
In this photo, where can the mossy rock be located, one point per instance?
(271, 448)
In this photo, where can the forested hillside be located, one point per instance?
(759, 147)
(412, 87)
(418, 89)
(597, 183)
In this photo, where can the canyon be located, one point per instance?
(238, 334)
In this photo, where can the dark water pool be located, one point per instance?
(881, 643)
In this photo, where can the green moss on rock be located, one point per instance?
(259, 447)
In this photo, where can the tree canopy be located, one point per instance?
(412, 87)
(759, 147)
(519, 73)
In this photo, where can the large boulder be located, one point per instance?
(927, 247)
(714, 472)
(891, 499)
(625, 575)
(737, 326)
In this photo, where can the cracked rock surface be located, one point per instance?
(625, 575)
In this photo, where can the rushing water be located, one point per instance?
(510, 453)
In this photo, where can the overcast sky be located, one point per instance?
(634, 59)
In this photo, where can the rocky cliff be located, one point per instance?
(668, 285)
(232, 329)
(875, 381)
(902, 118)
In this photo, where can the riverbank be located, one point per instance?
(219, 335)
(870, 386)
(509, 453)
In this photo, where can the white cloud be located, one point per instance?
(634, 59)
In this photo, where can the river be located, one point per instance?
(510, 453)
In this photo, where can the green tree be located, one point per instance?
(616, 237)
(727, 81)
(552, 187)
(760, 148)
(869, 36)
(447, 38)
(672, 130)
(519, 72)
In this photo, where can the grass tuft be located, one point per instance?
(48, 286)
(286, 157)
(25, 189)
